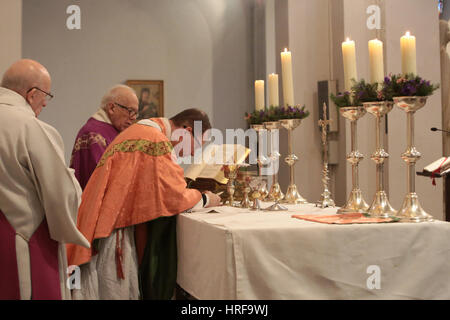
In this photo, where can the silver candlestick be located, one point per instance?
(380, 206)
(325, 199)
(292, 195)
(262, 160)
(355, 202)
(275, 193)
(411, 210)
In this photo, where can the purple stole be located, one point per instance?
(43, 261)
(90, 144)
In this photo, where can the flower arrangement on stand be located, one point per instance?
(408, 86)
(276, 113)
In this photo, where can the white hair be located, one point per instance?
(114, 93)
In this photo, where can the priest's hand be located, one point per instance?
(213, 200)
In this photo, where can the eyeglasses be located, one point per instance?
(131, 112)
(48, 95)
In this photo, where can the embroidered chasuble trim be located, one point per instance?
(155, 149)
(86, 140)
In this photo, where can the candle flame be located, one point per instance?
(408, 34)
(285, 50)
(348, 39)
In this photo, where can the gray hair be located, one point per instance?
(114, 93)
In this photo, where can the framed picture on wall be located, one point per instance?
(151, 97)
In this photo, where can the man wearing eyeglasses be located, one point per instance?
(118, 110)
(39, 195)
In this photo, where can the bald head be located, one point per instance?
(119, 92)
(24, 75)
(31, 80)
(121, 105)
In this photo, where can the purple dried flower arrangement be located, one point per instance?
(408, 85)
(275, 114)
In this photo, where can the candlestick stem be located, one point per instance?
(292, 194)
(355, 202)
(380, 206)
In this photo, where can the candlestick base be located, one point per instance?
(292, 196)
(355, 203)
(412, 211)
(276, 207)
(381, 208)
(325, 200)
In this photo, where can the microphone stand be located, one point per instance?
(436, 129)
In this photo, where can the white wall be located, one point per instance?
(10, 32)
(422, 20)
(201, 49)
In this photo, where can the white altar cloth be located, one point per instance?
(241, 254)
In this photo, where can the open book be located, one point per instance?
(213, 158)
(441, 167)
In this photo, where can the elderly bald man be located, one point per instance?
(117, 112)
(39, 195)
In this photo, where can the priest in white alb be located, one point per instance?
(39, 195)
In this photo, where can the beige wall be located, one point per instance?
(201, 49)
(10, 32)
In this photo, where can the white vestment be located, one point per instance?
(35, 184)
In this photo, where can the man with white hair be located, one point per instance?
(39, 195)
(117, 112)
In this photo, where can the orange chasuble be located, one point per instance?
(136, 180)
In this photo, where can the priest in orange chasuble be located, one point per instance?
(128, 211)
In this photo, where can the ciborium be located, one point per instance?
(411, 210)
(275, 193)
(355, 202)
(380, 206)
(244, 177)
(257, 184)
(292, 195)
(230, 172)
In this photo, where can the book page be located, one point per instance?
(195, 169)
(443, 162)
(214, 157)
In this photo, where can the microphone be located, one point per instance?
(436, 129)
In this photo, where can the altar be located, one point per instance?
(235, 253)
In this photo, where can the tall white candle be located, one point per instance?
(288, 83)
(259, 95)
(274, 98)
(408, 49)
(376, 61)
(349, 58)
